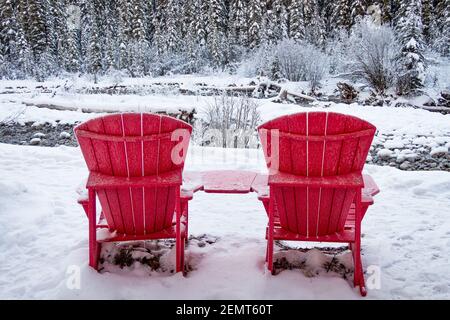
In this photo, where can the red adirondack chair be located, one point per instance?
(135, 168)
(315, 194)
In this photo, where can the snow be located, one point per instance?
(43, 233)
(385, 153)
(65, 135)
(439, 150)
(394, 144)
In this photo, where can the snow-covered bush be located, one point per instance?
(289, 59)
(228, 122)
(371, 54)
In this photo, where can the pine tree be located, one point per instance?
(314, 25)
(357, 10)
(110, 36)
(386, 11)
(217, 41)
(90, 40)
(281, 20)
(192, 41)
(426, 19)
(125, 9)
(238, 23)
(172, 32)
(38, 38)
(442, 17)
(255, 23)
(37, 26)
(10, 38)
(202, 22)
(342, 14)
(411, 60)
(138, 40)
(296, 21)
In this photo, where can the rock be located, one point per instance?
(445, 94)
(444, 99)
(405, 165)
(65, 135)
(429, 102)
(384, 153)
(35, 141)
(439, 151)
(39, 135)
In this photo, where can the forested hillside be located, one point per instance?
(40, 38)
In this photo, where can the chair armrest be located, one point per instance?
(351, 180)
(370, 187)
(102, 181)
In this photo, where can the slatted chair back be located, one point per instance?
(135, 145)
(316, 144)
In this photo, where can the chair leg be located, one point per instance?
(182, 247)
(267, 250)
(358, 277)
(185, 209)
(270, 255)
(93, 245)
(179, 239)
(270, 238)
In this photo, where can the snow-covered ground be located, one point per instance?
(43, 231)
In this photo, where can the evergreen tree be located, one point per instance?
(426, 19)
(110, 36)
(172, 26)
(314, 24)
(15, 52)
(342, 14)
(238, 23)
(280, 20)
(138, 39)
(217, 41)
(411, 60)
(386, 11)
(255, 21)
(296, 21)
(442, 37)
(357, 10)
(125, 9)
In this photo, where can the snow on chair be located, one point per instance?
(135, 164)
(316, 185)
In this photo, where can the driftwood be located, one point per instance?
(298, 98)
(186, 116)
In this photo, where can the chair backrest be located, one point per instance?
(317, 144)
(135, 145)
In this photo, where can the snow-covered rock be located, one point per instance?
(439, 151)
(65, 135)
(35, 141)
(385, 153)
(395, 143)
(39, 135)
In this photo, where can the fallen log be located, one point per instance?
(186, 116)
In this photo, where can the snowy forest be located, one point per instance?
(42, 38)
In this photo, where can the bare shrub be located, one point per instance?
(289, 59)
(229, 122)
(372, 51)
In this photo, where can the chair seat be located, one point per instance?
(163, 234)
(347, 235)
